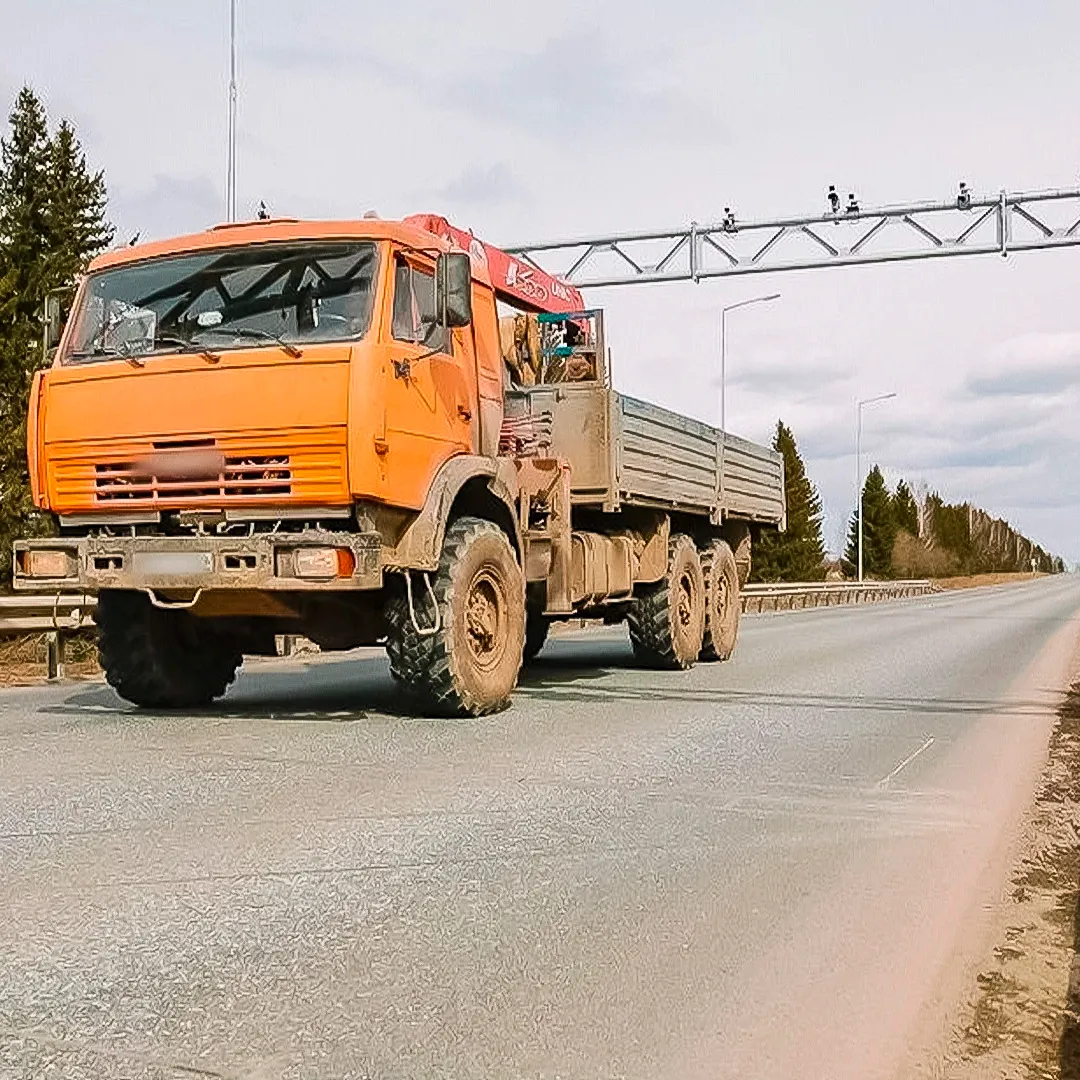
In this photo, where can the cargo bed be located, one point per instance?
(626, 452)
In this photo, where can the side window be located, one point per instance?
(414, 308)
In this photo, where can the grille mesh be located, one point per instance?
(248, 475)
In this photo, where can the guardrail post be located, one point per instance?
(55, 654)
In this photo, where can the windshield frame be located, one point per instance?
(211, 339)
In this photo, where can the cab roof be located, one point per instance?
(281, 229)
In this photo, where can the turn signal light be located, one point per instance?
(45, 564)
(324, 563)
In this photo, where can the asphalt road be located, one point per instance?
(754, 869)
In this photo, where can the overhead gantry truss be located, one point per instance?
(846, 236)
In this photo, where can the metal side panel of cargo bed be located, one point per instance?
(752, 482)
(623, 451)
(662, 458)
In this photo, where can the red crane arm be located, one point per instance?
(516, 281)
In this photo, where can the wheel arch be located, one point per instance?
(466, 484)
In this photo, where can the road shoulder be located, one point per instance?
(1019, 1011)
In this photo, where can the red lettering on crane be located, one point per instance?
(517, 282)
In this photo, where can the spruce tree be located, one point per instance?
(905, 512)
(52, 221)
(799, 553)
(75, 210)
(879, 529)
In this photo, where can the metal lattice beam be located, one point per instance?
(968, 225)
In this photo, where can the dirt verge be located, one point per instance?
(1023, 1020)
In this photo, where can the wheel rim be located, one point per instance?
(721, 598)
(485, 619)
(685, 604)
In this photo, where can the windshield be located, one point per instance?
(241, 297)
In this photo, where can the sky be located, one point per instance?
(529, 122)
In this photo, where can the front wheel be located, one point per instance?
(162, 659)
(465, 661)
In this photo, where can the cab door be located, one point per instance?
(429, 406)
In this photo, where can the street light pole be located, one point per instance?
(858, 466)
(723, 347)
(230, 181)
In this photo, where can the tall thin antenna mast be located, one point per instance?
(230, 183)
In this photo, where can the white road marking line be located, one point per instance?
(884, 781)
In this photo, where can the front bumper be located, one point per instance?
(263, 561)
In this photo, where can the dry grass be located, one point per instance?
(23, 659)
(972, 581)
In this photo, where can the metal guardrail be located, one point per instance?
(55, 616)
(796, 595)
(59, 615)
(38, 613)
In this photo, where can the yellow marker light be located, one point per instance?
(47, 564)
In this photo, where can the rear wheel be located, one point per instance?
(667, 620)
(162, 659)
(722, 603)
(470, 664)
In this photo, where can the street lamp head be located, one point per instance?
(870, 401)
(752, 300)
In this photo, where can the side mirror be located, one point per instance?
(453, 289)
(54, 326)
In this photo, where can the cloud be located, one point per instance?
(491, 184)
(1029, 365)
(1032, 382)
(792, 377)
(1039, 346)
(575, 84)
(171, 205)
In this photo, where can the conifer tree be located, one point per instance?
(75, 209)
(879, 529)
(905, 512)
(52, 221)
(799, 553)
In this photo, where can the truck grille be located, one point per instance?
(231, 477)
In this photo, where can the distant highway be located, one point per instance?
(756, 869)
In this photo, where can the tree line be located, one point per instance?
(52, 222)
(905, 535)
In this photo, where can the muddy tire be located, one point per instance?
(536, 634)
(722, 601)
(667, 619)
(161, 659)
(470, 666)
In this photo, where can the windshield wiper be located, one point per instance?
(207, 354)
(261, 335)
(109, 351)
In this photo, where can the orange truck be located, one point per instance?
(332, 429)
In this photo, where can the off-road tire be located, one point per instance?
(470, 666)
(722, 601)
(536, 634)
(160, 659)
(667, 619)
